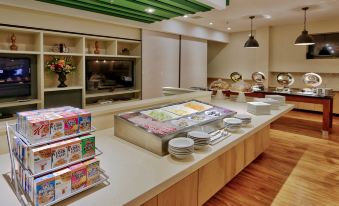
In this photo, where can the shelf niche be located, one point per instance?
(26, 41)
(105, 46)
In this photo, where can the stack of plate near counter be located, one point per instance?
(280, 98)
(258, 108)
(245, 118)
(274, 103)
(181, 147)
(232, 124)
(201, 139)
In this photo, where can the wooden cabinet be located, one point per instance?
(256, 144)
(235, 161)
(211, 178)
(151, 202)
(184, 192)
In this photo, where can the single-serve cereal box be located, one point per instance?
(79, 176)
(84, 120)
(93, 171)
(37, 129)
(59, 154)
(74, 151)
(56, 125)
(40, 159)
(44, 190)
(88, 145)
(62, 183)
(71, 122)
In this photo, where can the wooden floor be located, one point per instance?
(299, 168)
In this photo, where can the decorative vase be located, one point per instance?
(62, 79)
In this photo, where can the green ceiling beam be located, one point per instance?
(227, 2)
(135, 9)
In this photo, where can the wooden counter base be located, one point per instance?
(202, 184)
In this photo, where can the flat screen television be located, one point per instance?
(15, 77)
(109, 74)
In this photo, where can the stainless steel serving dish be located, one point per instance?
(285, 79)
(236, 76)
(158, 144)
(312, 80)
(258, 77)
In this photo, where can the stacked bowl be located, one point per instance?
(201, 139)
(181, 147)
(232, 124)
(245, 118)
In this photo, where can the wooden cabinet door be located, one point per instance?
(183, 193)
(256, 144)
(235, 161)
(211, 178)
(151, 202)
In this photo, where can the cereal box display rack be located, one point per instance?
(53, 155)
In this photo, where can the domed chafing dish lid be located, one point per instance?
(285, 79)
(312, 80)
(235, 76)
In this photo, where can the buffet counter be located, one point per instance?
(138, 176)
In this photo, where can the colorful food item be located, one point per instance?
(74, 150)
(85, 119)
(79, 176)
(159, 128)
(44, 188)
(59, 154)
(197, 106)
(179, 110)
(219, 85)
(159, 115)
(93, 171)
(63, 183)
(199, 117)
(37, 129)
(87, 145)
(71, 122)
(56, 125)
(213, 113)
(40, 159)
(183, 122)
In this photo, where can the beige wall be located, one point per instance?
(277, 53)
(193, 65)
(223, 59)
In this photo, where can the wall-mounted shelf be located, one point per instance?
(126, 56)
(98, 105)
(19, 103)
(62, 88)
(103, 94)
(18, 52)
(62, 54)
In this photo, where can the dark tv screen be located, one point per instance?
(107, 74)
(15, 77)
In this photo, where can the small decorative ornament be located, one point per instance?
(13, 45)
(61, 66)
(125, 51)
(96, 51)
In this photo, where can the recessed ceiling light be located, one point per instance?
(267, 16)
(211, 23)
(185, 16)
(229, 28)
(150, 10)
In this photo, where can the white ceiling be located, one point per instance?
(281, 12)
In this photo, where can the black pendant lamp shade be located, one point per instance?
(251, 42)
(304, 38)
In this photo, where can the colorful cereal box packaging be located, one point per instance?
(59, 154)
(40, 159)
(88, 145)
(74, 150)
(84, 120)
(79, 176)
(56, 125)
(44, 190)
(71, 122)
(93, 172)
(37, 129)
(62, 183)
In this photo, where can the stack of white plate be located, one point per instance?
(245, 118)
(280, 98)
(274, 103)
(201, 139)
(232, 124)
(181, 147)
(258, 108)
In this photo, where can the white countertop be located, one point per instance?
(137, 175)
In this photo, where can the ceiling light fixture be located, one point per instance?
(150, 10)
(229, 28)
(185, 16)
(211, 23)
(267, 16)
(304, 38)
(251, 42)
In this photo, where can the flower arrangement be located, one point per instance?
(61, 65)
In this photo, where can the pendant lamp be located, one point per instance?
(251, 42)
(304, 38)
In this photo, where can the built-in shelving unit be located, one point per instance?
(43, 45)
